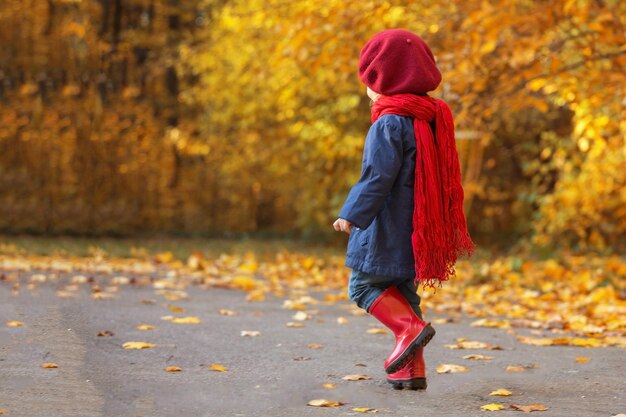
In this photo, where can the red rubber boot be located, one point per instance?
(394, 311)
(412, 376)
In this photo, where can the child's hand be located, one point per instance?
(342, 225)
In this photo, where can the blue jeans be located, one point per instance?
(364, 288)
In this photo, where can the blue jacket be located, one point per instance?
(380, 205)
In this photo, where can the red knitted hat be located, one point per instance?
(397, 61)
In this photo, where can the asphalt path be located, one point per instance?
(275, 373)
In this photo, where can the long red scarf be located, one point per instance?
(439, 228)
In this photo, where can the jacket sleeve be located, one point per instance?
(382, 160)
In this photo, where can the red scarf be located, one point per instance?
(439, 227)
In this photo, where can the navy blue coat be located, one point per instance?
(380, 205)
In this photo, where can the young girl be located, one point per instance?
(404, 216)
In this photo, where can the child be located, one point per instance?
(404, 216)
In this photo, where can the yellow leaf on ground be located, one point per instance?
(186, 320)
(477, 357)
(356, 377)
(138, 345)
(301, 316)
(256, 295)
(493, 323)
(364, 410)
(49, 365)
(250, 333)
(295, 324)
(581, 359)
(473, 344)
(520, 368)
(102, 296)
(502, 392)
(105, 333)
(173, 369)
(294, 305)
(314, 346)
(4, 411)
(167, 318)
(218, 368)
(324, 403)
(145, 327)
(377, 331)
(447, 368)
(578, 341)
(14, 323)
(492, 407)
(342, 320)
(529, 408)
(176, 309)
(226, 312)
(328, 385)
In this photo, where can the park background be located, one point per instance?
(178, 132)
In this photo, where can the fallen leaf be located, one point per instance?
(520, 368)
(444, 320)
(301, 358)
(364, 410)
(477, 357)
(49, 365)
(4, 411)
(581, 359)
(446, 368)
(473, 344)
(356, 377)
(138, 345)
(102, 296)
(528, 408)
(38, 278)
(342, 320)
(66, 294)
(301, 316)
(105, 333)
(145, 327)
(328, 385)
(121, 280)
(256, 296)
(314, 346)
(186, 320)
(173, 369)
(377, 331)
(492, 407)
(502, 392)
(251, 333)
(148, 302)
(176, 309)
(14, 323)
(218, 368)
(167, 318)
(492, 323)
(294, 324)
(294, 305)
(226, 312)
(324, 403)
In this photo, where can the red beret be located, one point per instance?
(397, 61)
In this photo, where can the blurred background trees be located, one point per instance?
(211, 116)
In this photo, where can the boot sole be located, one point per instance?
(410, 384)
(420, 341)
